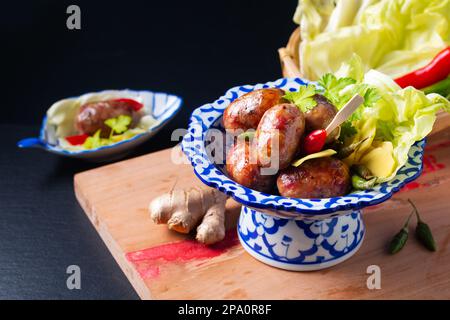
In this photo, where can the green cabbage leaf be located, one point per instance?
(391, 36)
(389, 122)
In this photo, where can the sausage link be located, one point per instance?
(246, 111)
(281, 127)
(242, 167)
(316, 178)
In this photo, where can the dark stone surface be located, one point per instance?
(43, 230)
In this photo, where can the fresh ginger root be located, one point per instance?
(183, 210)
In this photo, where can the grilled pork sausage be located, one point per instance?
(246, 111)
(315, 178)
(92, 116)
(242, 167)
(281, 126)
(320, 116)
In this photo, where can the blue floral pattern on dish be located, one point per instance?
(300, 242)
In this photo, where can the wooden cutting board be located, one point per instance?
(162, 264)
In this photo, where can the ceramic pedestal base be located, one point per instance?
(300, 245)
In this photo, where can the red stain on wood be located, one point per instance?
(148, 261)
(411, 186)
(437, 146)
(430, 164)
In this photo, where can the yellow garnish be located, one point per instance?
(321, 154)
(380, 160)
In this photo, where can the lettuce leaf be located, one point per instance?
(391, 36)
(391, 120)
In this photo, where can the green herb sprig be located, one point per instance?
(303, 98)
(347, 130)
(118, 125)
(333, 86)
(339, 91)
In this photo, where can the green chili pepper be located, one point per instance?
(336, 145)
(441, 87)
(425, 236)
(423, 231)
(346, 151)
(362, 171)
(399, 240)
(361, 183)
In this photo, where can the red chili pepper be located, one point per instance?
(77, 140)
(437, 70)
(314, 141)
(133, 103)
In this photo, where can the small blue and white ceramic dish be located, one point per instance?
(288, 233)
(162, 107)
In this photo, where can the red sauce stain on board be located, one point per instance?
(411, 186)
(430, 164)
(148, 261)
(437, 146)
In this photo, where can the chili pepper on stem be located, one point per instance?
(363, 171)
(399, 240)
(423, 231)
(360, 183)
(437, 70)
(442, 88)
(344, 152)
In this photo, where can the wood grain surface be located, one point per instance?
(162, 264)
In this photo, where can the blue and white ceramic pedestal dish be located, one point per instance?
(300, 244)
(289, 233)
(161, 106)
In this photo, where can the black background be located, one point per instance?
(195, 49)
